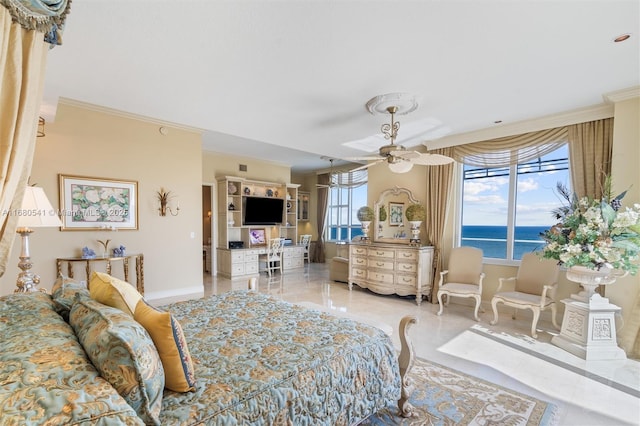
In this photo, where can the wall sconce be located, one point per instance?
(163, 197)
(40, 127)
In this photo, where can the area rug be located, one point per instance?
(443, 396)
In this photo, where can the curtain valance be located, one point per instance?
(350, 179)
(46, 16)
(502, 152)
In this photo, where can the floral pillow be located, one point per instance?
(124, 354)
(64, 292)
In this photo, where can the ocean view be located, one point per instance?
(493, 239)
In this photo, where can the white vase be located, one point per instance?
(415, 230)
(590, 279)
(365, 229)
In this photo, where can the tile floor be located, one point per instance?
(449, 340)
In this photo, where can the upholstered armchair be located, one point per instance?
(463, 277)
(534, 288)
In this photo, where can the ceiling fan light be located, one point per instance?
(400, 166)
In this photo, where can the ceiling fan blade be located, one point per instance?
(367, 158)
(367, 165)
(406, 155)
(432, 160)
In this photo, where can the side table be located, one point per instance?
(139, 263)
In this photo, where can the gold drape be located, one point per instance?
(590, 150)
(510, 150)
(323, 201)
(439, 181)
(22, 65)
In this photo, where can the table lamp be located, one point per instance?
(35, 211)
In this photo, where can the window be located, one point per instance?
(346, 196)
(504, 209)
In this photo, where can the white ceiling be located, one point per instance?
(288, 80)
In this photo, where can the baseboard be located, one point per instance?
(195, 291)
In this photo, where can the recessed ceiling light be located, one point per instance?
(621, 37)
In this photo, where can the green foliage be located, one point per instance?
(365, 213)
(382, 214)
(415, 212)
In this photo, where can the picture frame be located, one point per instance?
(396, 214)
(257, 237)
(91, 203)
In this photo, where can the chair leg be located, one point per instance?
(494, 307)
(475, 313)
(553, 316)
(440, 302)
(536, 315)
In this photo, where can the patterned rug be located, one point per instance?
(443, 396)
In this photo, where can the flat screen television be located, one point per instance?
(262, 211)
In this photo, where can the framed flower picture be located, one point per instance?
(396, 212)
(89, 204)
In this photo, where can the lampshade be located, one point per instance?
(400, 167)
(36, 210)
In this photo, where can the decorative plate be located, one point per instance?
(247, 191)
(232, 188)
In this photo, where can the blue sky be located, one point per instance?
(486, 199)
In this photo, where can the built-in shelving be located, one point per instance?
(231, 192)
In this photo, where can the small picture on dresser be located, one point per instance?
(257, 237)
(396, 211)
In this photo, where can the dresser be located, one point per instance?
(392, 269)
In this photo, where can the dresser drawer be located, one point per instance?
(251, 258)
(237, 256)
(406, 280)
(251, 268)
(406, 267)
(359, 261)
(357, 273)
(237, 269)
(411, 255)
(380, 277)
(387, 254)
(381, 264)
(359, 251)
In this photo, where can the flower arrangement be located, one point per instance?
(594, 233)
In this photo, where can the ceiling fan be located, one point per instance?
(399, 159)
(332, 182)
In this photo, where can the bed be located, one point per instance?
(256, 360)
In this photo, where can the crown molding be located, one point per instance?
(622, 95)
(123, 114)
(596, 112)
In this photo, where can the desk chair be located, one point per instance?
(305, 240)
(273, 256)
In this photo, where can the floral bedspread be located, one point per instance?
(262, 361)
